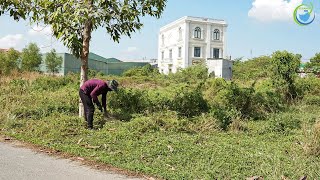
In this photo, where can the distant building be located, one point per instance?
(107, 66)
(4, 50)
(193, 40)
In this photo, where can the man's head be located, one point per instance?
(113, 85)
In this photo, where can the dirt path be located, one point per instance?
(23, 163)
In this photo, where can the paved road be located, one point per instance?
(20, 163)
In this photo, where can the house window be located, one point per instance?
(180, 34)
(197, 52)
(197, 33)
(170, 54)
(162, 39)
(162, 55)
(216, 53)
(179, 52)
(216, 34)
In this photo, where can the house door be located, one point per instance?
(216, 53)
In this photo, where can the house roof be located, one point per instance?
(96, 57)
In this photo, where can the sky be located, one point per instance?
(255, 28)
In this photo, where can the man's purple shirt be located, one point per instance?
(94, 88)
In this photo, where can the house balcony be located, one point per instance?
(167, 61)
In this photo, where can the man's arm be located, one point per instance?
(104, 102)
(94, 95)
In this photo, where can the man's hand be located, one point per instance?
(106, 114)
(100, 108)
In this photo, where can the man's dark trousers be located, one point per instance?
(88, 108)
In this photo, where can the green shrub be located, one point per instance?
(20, 84)
(312, 100)
(129, 101)
(146, 70)
(192, 74)
(44, 110)
(50, 83)
(189, 102)
(245, 100)
(94, 74)
(185, 100)
(225, 116)
(162, 120)
(160, 100)
(9, 61)
(313, 140)
(310, 85)
(284, 123)
(285, 66)
(253, 69)
(212, 87)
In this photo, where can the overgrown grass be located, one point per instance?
(181, 128)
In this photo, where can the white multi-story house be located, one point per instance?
(192, 40)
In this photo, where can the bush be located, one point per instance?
(284, 123)
(250, 103)
(309, 85)
(20, 84)
(94, 74)
(192, 74)
(146, 70)
(313, 138)
(212, 87)
(160, 100)
(129, 101)
(52, 83)
(225, 116)
(45, 109)
(189, 102)
(312, 100)
(162, 120)
(253, 69)
(285, 66)
(9, 61)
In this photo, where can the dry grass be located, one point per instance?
(30, 76)
(313, 139)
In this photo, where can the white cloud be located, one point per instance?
(11, 41)
(132, 49)
(273, 10)
(40, 31)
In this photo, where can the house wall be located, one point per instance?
(71, 64)
(171, 39)
(221, 68)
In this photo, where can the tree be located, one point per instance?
(74, 21)
(285, 66)
(314, 64)
(31, 58)
(252, 69)
(53, 61)
(9, 61)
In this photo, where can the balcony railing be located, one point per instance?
(167, 60)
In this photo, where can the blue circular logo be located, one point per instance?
(304, 14)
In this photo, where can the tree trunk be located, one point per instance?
(84, 59)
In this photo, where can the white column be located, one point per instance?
(159, 52)
(208, 41)
(224, 42)
(186, 44)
